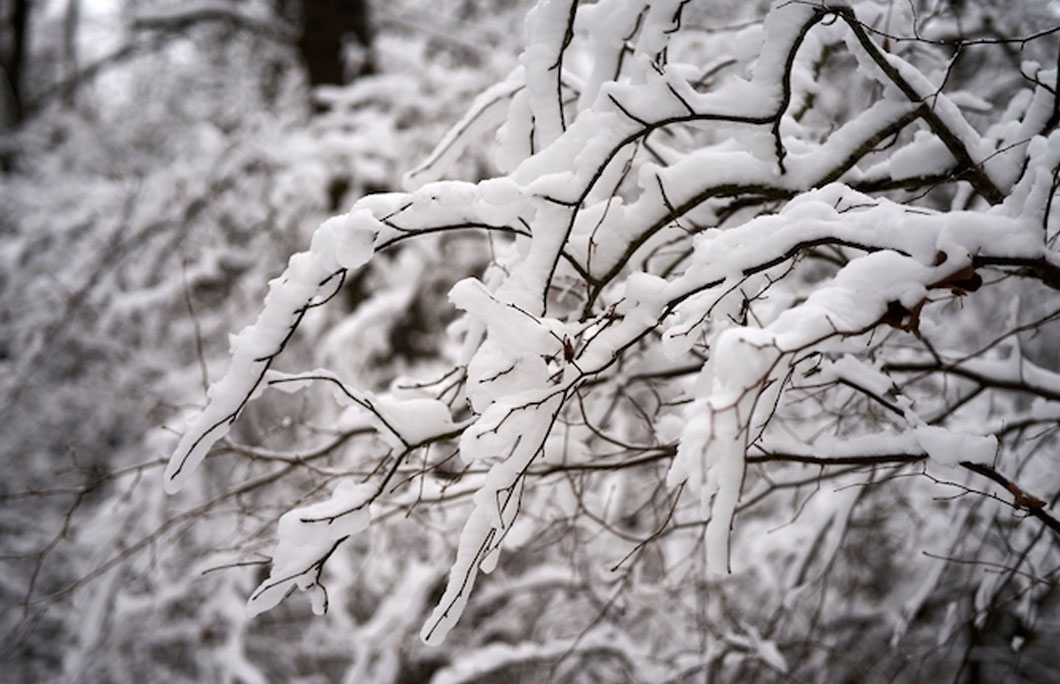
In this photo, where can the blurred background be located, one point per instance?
(159, 161)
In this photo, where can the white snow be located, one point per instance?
(306, 536)
(947, 448)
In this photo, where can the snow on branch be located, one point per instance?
(763, 265)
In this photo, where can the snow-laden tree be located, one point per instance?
(759, 367)
(745, 369)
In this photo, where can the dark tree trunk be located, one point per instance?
(71, 22)
(326, 27)
(12, 58)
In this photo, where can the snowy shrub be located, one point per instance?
(746, 366)
(752, 321)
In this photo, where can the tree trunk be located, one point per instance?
(12, 58)
(71, 21)
(326, 26)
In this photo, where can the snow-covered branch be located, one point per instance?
(701, 292)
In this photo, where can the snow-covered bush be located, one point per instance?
(747, 368)
(748, 375)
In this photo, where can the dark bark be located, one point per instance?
(13, 58)
(326, 26)
(12, 63)
(71, 23)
